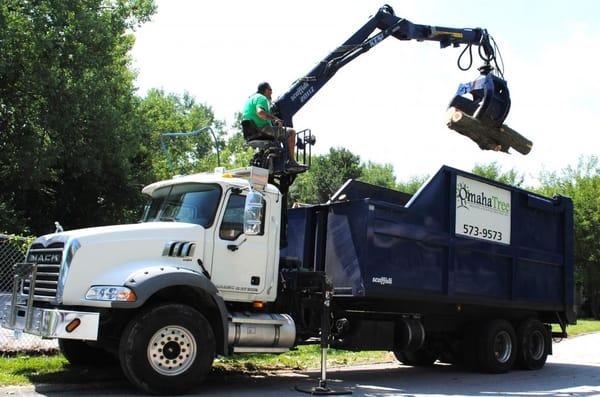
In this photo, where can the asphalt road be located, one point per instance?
(573, 370)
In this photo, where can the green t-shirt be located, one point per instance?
(249, 112)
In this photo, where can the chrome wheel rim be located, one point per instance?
(537, 345)
(172, 350)
(502, 347)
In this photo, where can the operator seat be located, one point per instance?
(254, 138)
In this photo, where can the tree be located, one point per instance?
(67, 107)
(161, 113)
(327, 174)
(413, 184)
(494, 171)
(582, 185)
(379, 174)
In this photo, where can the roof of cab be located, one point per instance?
(205, 177)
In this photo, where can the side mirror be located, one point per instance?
(253, 210)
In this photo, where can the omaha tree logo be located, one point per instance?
(462, 191)
(465, 198)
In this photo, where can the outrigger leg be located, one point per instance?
(323, 389)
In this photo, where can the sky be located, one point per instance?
(388, 105)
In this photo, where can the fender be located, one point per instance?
(146, 282)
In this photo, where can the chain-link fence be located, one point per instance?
(12, 250)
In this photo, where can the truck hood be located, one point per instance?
(109, 255)
(138, 231)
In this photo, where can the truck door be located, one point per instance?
(239, 261)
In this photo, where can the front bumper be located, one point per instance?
(52, 323)
(45, 322)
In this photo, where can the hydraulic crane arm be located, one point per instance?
(360, 42)
(484, 111)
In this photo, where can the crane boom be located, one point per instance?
(388, 24)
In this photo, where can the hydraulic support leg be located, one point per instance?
(323, 389)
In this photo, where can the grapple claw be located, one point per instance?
(490, 101)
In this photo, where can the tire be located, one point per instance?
(496, 347)
(167, 349)
(534, 344)
(81, 354)
(419, 358)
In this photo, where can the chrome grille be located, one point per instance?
(48, 261)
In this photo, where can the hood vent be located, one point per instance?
(179, 249)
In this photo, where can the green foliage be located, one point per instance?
(413, 184)
(582, 185)
(67, 108)
(327, 174)
(330, 171)
(379, 174)
(21, 243)
(160, 113)
(494, 171)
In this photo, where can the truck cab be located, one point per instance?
(206, 249)
(242, 265)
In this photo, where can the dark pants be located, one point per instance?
(279, 133)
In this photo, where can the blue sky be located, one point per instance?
(388, 105)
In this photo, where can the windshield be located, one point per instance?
(192, 203)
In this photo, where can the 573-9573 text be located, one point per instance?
(482, 232)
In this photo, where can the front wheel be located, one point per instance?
(167, 349)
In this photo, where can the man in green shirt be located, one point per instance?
(258, 110)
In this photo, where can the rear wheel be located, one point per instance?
(81, 354)
(167, 349)
(419, 358)
(534, 344)
(496, 347)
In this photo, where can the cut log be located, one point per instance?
(488, 138)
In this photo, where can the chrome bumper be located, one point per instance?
(47, 323)
(52, 323)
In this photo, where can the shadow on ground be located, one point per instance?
(389, 380)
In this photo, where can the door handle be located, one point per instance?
(235, 247)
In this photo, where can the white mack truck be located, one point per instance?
(153, 293)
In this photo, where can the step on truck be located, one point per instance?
(467, 270)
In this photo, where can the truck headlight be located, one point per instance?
(110, 293)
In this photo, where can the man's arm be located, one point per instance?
(262, 110)
(267, 116)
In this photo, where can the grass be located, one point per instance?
(583, 326)
(302, 358)
(26, 369)
(21, 370)
(35, 369)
